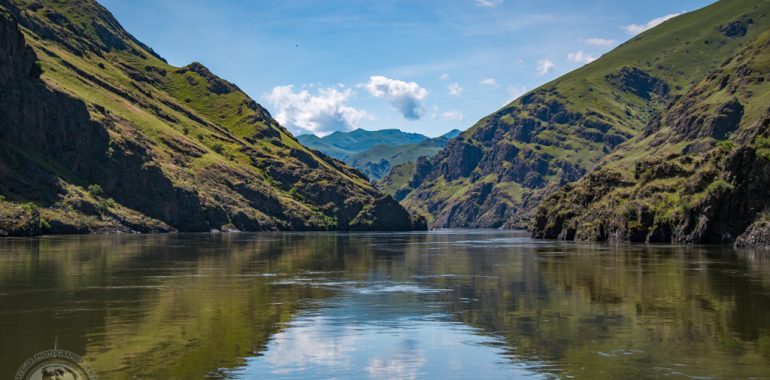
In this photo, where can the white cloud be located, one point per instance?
(545, 66)
(580, 57)
(635, 29)
(489, 82)
(488, 3)
(514, 92)
(324, 112)
(406, 97)
(455, 89)
(444, 77)
(453, 116)
(599, 41)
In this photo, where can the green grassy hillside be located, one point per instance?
(496, 172)
(397, 178)
(699, 173)
(102, 134)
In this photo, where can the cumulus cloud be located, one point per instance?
(488, 3)
(635, 29)
(489, 82)
(444, 77)
(545, 66)
(406, 97)
(455, 89)
(580, 57)
(320, 113)
(599, 41)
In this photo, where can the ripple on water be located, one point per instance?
(400, 288)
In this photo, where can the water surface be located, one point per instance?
(445, 304)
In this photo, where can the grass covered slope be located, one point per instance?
(397, 178)
(699, 173)
(496, 172)
(101, 134)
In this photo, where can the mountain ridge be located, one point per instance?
(499, 170)
(373, 153)
(102, 135)
(377, 161)
(341, 145)
(698, 174)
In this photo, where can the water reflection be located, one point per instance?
(456, 304)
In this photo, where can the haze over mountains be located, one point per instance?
(375, 152)
(342, 145)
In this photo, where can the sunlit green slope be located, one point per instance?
(102, 134)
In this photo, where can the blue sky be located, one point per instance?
(419, 65)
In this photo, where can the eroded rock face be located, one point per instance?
(461, 160)
(639, 83)
(58, 128)
(493, 153)
(701, 173)
(650, 87)
(727, 200)
(486, 207)
(737, 28)
(570, 203)
(690, 123)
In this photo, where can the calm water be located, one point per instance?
(452, 304)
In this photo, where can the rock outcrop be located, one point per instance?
(757, 235)
(700, 176)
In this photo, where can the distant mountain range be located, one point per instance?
(342, 145)
(375, 152)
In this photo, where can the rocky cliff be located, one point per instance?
(498, 171)
(99, 134)
(699, 173)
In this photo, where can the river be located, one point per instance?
(454, 304)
